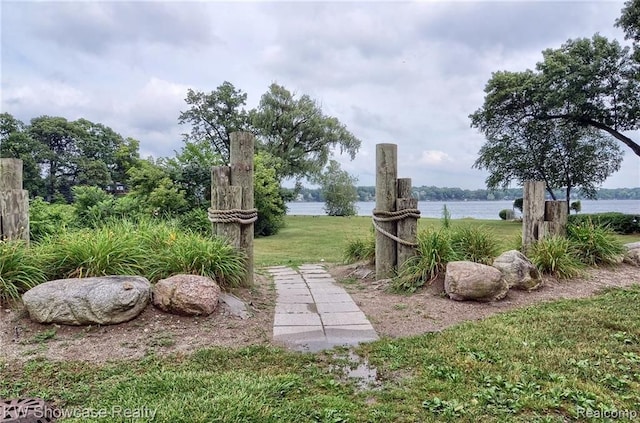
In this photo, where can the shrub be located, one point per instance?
(434, 251)
(620, 223)
(360, 249)
(518, 203)
(195, 220)
(594, 244)
(475, 244)
(19, 270)
(506, 214)
(556, 256)
(576, 206)
(92, 205)
(47, 219)
(446, 217)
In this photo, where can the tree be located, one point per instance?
(269, 200)
(296, 130)
(586, 82)
(151, 186)
(630, 20)
(561, 155)
(214, 116)
(339, 191)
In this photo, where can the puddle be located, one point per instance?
(358, 370)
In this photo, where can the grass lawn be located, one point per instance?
(551, 363)
(310, 239)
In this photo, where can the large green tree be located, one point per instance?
(214, 116)
(339, 190)
(297, 131)
(587, 82)
(630, 20)
(563, 155)
(15, 142)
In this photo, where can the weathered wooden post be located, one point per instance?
(14, 202)
(556, 216)
(386, 194)
(232, 211)
(532, 213)
(407, 226)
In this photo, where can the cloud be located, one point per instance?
(434, 158)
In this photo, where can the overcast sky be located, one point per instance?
(406, 73)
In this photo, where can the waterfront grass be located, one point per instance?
(552, 362)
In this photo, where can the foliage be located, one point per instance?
(297, 131)
(594, 244)
(474, 243)
(195, 220)
(339, 191)
(518, 203)
(360, 249)
(629, 21)
(267, 195)
(557, 256)
(446, 217)
(47, 219)
(619, 223)
(586, 82)
(91, 203)
(435, 249)
(506, 214)
(20, 270)
(214, 116)
(576, 206)
(158, 194)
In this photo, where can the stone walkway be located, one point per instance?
(313, 313)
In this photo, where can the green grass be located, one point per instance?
(539, 364)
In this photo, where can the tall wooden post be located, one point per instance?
(556, 216)
(532, 213)
(14, 202)
(407, 227)
(241, 157)
(386, 194)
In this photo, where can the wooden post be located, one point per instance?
(220, 179)
(532, 213)
(241, 157)
(229, 198)
(556, 216)
(386, 194)
(408, 227)
(14, 202)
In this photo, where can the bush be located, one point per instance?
(506, 214)
(47, 219)
(518, 203)
(576, 206)
(196, 220)
(360, 249)
(92, 205)
(475, 244)
(269, 198)
(434, 251)
(594, 244)
(19, 270)
(619, 223)
(556, 256)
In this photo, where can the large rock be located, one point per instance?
(186, 294)
(518, 271)
(632, 256)
(465, 280)
(103, 300)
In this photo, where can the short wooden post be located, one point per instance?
(386, 194)
(14, 202)
(532, 213)
(229, 198)
(407, 227)
(241, 157)
(556, 216)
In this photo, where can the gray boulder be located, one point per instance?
(465, 280)
(632, 256)
(103, 300)
(186, 294)
(518, 271)
(632, 246)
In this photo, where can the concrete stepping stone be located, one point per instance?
(313, 313)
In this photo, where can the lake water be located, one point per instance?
(473, 209)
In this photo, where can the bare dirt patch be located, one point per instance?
(152, 332)
(429, 310)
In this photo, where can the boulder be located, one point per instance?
(632, 246)
(518, 271)
(632, 257)
(186, 294)
(465, 280)
(105, 300)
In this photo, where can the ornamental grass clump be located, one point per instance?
(20, 269)
(434, 251)
(360, 249)
(595, 245)
(556, 256)
(475, 244)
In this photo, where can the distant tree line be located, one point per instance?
(432, 193)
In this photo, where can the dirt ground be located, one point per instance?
(392, 316)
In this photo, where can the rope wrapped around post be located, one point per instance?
(394, 216)
(243, 217)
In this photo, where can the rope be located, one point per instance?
(243, 217)
(394, 216)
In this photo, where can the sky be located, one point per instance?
(408, 73)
